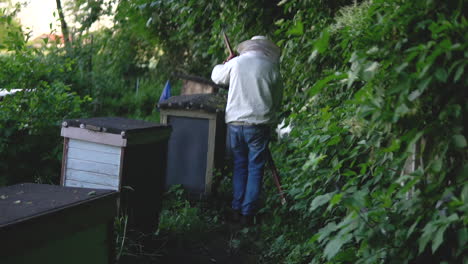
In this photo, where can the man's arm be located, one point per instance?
(222, 73)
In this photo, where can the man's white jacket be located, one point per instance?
(255, 88)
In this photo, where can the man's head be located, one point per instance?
(261, 44)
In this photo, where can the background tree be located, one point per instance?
(63, 24)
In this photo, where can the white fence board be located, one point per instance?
(91, 166)
(95, 178)
(90, 155)
(75, 143)
(73, 183)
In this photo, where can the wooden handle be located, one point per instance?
(275, 175)
(228, 44)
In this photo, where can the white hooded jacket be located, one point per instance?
(255, 85)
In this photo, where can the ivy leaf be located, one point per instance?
(462, 236)
(357, 200)
(400, 111)
(439, 238)
(414, 95)
(313, 239)
(313, 161)
(459, 141)
(370, 69)
(411, 229)
(428, 233)
(436, 166)
(459, 73)
(335, 245)
(441, 75)
(297, 29)
(322, 43)
(336, 199)
(318, 86)
(464, 193)
(320, 200)
(326, 231)
(424, 83)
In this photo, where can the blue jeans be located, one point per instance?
(249, 145)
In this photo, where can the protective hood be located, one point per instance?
(261, 44)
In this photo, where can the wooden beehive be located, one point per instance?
(118, 154)
(197, 144)
(52, 224)
(197, 85)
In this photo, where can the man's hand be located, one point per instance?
(231, 56)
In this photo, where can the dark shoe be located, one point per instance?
(234, 216)
(247, 220)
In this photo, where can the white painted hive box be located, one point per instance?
(95, 148)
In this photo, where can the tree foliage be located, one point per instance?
(382, 84)
(30, 143)
(10, 29)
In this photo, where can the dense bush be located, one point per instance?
(375, 166)
(30, 144)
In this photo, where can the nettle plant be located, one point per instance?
(375, 165)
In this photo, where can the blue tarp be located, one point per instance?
(166, 93)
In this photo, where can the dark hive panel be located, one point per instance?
(115, 125)
(27, 200)
(208, 102)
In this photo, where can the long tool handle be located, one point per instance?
(275, 175)
(228, 44)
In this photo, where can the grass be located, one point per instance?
(189, 231)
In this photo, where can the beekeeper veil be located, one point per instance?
(261, 44)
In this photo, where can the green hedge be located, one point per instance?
(371, 88)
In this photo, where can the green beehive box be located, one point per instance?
(51, 224)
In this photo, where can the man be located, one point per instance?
(255, 93)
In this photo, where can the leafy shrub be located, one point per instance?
(30, 144)
(180, 218)
(382, 89)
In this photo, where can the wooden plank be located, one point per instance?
(148, 138)
(89, 155)
(94, 178)
(210, 155)
(189, 113)
(121, 167)
(73, 183)
(163, 117)
(64, 161)
(93, 136)
(76, 143)
(91, 166)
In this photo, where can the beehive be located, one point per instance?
(118, 154)
(197, 85)
(197, 144)
(52, 224)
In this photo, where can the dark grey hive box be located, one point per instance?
(42, 223)
(197, 143)
(118, 154)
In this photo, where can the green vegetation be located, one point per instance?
(375, 167)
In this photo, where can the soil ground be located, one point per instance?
(225, 244)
